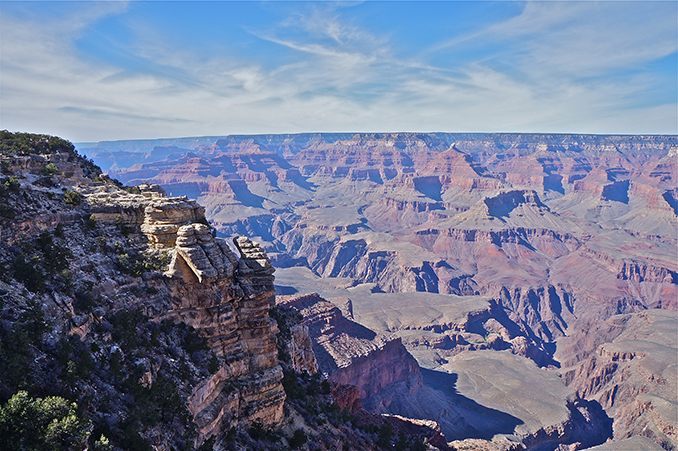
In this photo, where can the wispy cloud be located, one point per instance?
(555, 67)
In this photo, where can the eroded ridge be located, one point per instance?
(223, 297)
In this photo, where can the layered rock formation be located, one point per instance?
(554, 233)
(150, 211)
(224, 298)
(468, 387)
(633, 374)
(352, 355)
(231, 311)
(103, 252)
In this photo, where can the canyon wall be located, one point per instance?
(138, 272)
(454, 243)
(350, 354)
(226, 299)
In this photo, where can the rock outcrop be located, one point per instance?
(352, 355)
(301, 352)
(230, 308)
(149, 211)
(632, 374)
(225, 299)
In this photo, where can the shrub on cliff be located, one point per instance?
(72, 198)
(49, 424)
(385, 435)
(8, 186)
(32, 144)
(27, 271)
(298, 439)
(50, 169)
(42, 263)
(20, 144)
(21, 332)
(286, 317)
(10, 183)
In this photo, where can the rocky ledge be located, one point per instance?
(226, 300)
(91, 254)
(351, 354)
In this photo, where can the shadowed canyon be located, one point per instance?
(520, 290)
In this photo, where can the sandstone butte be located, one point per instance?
(478, 253)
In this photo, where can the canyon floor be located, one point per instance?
(520, 290)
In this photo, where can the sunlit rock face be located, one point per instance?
(227, 300)
(224, 297)
(139, 307)
(632, 371)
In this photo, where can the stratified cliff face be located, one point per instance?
(144, 301)
(508, 243)
(224, 298)
(350, 354)
(633, 373)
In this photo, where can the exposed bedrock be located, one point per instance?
(643, 272)
(227, 301)
(438, 327)
(482, 404)
(538, 236)
(150, 212)
(489, 395)
(354, 259)
(368, 260)
(505, 202)
(300, 348)
(542, 313)
(632, 371)
(351, 354)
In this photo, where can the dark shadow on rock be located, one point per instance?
(244, 195)
(554, 182)
(376, 177)
(295, 176)
(429, 187)
(503, 204)
(478, 421)
(671, 200)
(617, 191)
(326, 361)
(591, 424)
(355, 330)
(541, 353)
(282, 290)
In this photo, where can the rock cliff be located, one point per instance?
(632, 373)
(224, 298)
(350, 354)
(123, 304)
(110, 247)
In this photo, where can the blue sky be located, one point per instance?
(92, 71)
